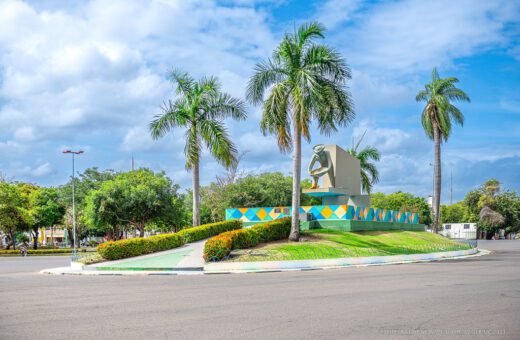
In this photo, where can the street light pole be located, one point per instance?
(73, 201)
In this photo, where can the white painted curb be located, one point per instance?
(262, 266)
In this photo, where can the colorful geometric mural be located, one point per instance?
(324, 212)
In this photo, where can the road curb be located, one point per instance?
(270, 266)
(279, 266)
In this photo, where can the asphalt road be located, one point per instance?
(470, 298)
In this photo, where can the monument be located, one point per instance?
(341, 176)
(344, 208)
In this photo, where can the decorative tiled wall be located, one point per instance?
(324, 212)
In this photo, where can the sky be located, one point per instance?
(90, 75)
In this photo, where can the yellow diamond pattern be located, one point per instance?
(274, 215)
(340, 211)
(326, 212)
(306, 208)
(261, 214)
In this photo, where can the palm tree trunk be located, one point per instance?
(196, 205)
(297, 161)
(437, 171)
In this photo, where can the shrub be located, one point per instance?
(220, 246)
(39, 251)
(115, 250)
(208, 230)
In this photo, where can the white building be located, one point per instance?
(459, 230)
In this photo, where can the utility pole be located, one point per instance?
(132, 161)
(451, 187)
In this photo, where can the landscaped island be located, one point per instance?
(268, 241)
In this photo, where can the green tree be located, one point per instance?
(200, 107)
(134, 198)
(85, 182)
(507, 204)
(47, 210)
(437, 119)
(264, 190)
(402, 201)
(369, 173)
(455, 213)
(306, 82)
(14, 217)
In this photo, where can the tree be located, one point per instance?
(455, 213)
(134, 198)
(306, 82)
(90, 179)
(437, 119)
(46, 210)
(369, 173)
(402, 201)
(263, 190)
(507, 204)
(14, 217)
(200, 108)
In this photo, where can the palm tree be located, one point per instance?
(305, 81)
(437, 119)
(369, 173)
(200, 108)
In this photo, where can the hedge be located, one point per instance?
(209, 230)
(40, 251)
(115, 250)
(220, 246)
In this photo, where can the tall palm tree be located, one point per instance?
(369, 173)
(200, 107)
(437, 119)
(305, 81)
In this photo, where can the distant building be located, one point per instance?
(459, 230)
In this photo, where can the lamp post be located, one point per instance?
(73, 204)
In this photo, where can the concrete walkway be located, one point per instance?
(187, 257)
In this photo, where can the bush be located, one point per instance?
(220, 246)
(39, 251)
(115, 250)
(208, 230)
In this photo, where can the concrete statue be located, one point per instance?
(321, 156)
(341, 174)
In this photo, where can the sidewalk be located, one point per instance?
(187, 257)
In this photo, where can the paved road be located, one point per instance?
(413, 301)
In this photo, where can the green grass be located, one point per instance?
(327, 243)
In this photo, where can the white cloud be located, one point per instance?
(334, 12)
(411, 35)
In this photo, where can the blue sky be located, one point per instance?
(90, 75)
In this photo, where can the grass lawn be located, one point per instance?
(327, 243)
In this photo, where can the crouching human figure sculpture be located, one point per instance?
(321, 156)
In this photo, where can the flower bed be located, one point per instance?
(115, 250)
(220, 246)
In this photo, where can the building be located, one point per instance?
(52, 236)
(466, 231)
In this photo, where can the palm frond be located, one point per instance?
(217, 141)
(309, 31)
(183, 80)
(223, 105)
(369, 152)
(327, 62)
(266, 74)
(174, 114)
